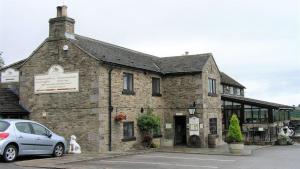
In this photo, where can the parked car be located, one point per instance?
(25, 137)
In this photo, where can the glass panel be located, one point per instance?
(128, 129)
(39, 130)
(213, 126)
(125, 86)
(130, 82)
(228, 105)
(238, 92)
(23, 127)
(235, 91)
(255, 115)
(231, 90)
(3, 125)
(264, 115)
(248, 116)
(247, 106)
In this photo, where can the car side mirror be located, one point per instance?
(48, 134)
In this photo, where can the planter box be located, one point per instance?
(236, 148)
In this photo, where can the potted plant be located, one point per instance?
(148, 123)
(120, 117)
(235, 137)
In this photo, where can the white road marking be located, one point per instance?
(202, 159)
(166, 164)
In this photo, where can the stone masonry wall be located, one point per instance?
(129, 104)
(67, 113)
(211, 104)
(180, 92)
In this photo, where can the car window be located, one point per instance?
(38, 129)
(3, 125)
(23, 127)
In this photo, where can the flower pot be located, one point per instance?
(236, 148)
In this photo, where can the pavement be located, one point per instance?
(79, 161)
(219, 150)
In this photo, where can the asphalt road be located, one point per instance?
(276, 157)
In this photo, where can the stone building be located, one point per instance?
(77, 85)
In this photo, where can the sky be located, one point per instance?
(257, 42)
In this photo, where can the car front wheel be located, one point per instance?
(58, 150)
(10, 153)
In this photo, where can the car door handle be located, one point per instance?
(20, 137)
(38, 139)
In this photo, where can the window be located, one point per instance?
(128, 131)
(213, 126)
(212, 87)
(3, 126)
(238, 91)
(24, 127)
(39, 130)
(235, 90)
(156, 86)
(231, 90)
(128, 84)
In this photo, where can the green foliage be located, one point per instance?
(148, 122)
(234, 134)
(1, 61)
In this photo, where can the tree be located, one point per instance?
(1, 60)
(234, 134)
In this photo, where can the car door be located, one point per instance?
(44, 143)
(26, 138)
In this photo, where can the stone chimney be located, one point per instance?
(61, 24)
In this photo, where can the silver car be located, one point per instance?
(25, 137)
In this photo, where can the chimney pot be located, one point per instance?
(62, 11)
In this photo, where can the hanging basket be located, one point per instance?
(120, 117)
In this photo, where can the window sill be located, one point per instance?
(128, 92)
(213, 94)
(129, 139)
(156, 94)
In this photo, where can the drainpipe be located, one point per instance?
(110, 109)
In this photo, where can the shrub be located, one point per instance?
(234, 134)
(148, 123)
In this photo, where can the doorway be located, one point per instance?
(180, 130)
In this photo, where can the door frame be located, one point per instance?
(174, 139)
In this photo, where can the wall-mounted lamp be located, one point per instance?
(192, 109)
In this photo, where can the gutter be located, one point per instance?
(110, 109)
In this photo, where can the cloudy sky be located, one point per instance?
(257, 41)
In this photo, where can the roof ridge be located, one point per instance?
(117, 46)
(205, 54)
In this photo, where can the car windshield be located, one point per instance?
(3, 125)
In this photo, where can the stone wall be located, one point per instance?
(131, 105)
(211, 104)
(180, 92)
(66, 113)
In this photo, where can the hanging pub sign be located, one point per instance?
(194, 126)
(10, 75)
(56, 81)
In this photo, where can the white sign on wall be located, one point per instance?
(10, 75)
(56, 81)
(194, 126)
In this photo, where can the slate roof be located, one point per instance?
(225, 79)
(9, 102)
(14, 65)
(122, 56)
(255, 102)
